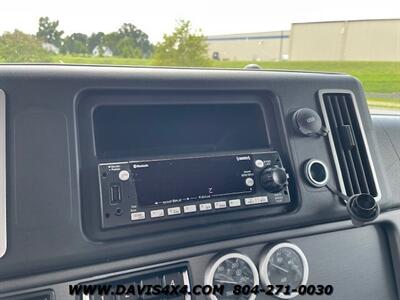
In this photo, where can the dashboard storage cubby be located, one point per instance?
(180, 158)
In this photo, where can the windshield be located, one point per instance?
(360, 38)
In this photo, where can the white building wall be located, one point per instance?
(365, 40)
(316, 41)
(265, 46)
(373, 41)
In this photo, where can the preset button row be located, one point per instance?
(171, 211)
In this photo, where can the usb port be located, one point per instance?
(115, 194)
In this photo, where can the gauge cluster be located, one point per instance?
(282, 264)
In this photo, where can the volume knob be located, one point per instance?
(273, 179)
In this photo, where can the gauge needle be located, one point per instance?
(226, 281)
(280, 268)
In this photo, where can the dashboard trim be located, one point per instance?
(332, 144)
(3, 202)
(186, 282)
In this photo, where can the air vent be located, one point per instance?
(349, 146)
(42, 295)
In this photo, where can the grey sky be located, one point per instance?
(213, 17)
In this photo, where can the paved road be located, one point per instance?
(383, 95)
(384, 111)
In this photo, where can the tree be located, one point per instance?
(184, 47)
(138, 37)
(95, 39)
(127, 48)
(20, 47)
(111, 40)
(128, 41)
(48, 32)
(76, 43)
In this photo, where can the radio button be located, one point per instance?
(189, 209)
(174, 211)
(220, 204)
(259, 163)
(250, 201)
(158, 213)
(205, 206)
(123, 175)
(234, 203)
(256, 200)
(249, 182)
(138, 216)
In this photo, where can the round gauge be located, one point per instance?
(284, 264)
(230, 270)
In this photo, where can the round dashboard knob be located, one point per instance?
(308, 122)
(273, 179)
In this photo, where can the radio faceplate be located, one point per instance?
(135, 192)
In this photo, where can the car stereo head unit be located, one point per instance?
(134, 192)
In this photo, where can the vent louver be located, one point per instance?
(355, 168)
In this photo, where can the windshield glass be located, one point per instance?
(360, 38)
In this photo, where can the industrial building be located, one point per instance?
(250, 46)
(358, 40)
(368, 40)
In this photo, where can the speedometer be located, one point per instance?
(284, 264)
(230, 270)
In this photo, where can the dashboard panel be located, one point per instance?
(184, 125)
(119, 174)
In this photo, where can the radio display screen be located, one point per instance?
(162, 182)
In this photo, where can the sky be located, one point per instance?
(156, 17)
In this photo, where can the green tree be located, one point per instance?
(48, 32)
(111, 40)
(184, 47)
(128, 41)
(138, 37)
(127, 48)
(20, 47)
(95, 39)
(76, 43)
